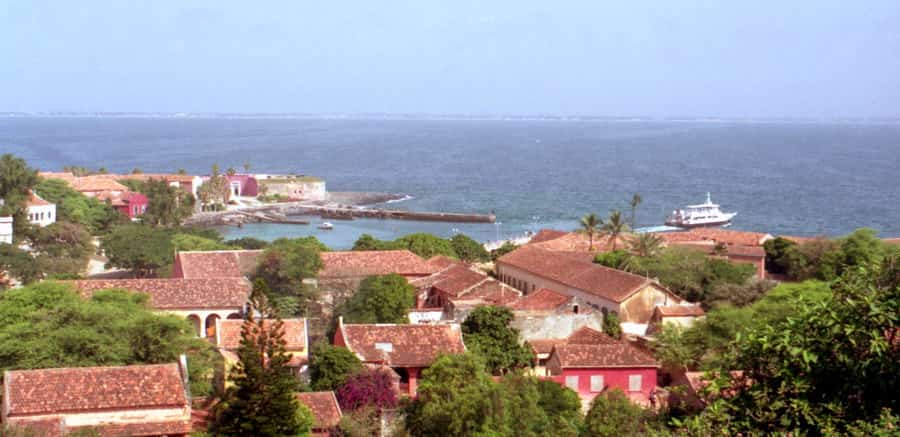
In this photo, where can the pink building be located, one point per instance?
(590, 369)
(243, 185)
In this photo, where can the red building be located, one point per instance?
(406, 349)
(590, 369)
(243, 185)
(129, 203)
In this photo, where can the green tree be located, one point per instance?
(615, 227)
(166, 205)
(590, 225)
(645, 244)
(16, 182)
(248, 243)
(72, 206)
(456, 397)
(616, 259)
(215, 192)
(367, 242)
(468, 249)
(777, 255)
(611, 324)
(488, 334)
(263, 401)
(613, 415)
(138, 248)
(426, 245)
(507, 247)
(331, 366)
(284, 265)
(48, 325)
(635, 201)
(381, 299)
(62, 248)
(19, 264)
(188, 242)
(562, 405)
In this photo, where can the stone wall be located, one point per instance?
(294, 188)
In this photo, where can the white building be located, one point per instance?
(40, 211)
(6, 230)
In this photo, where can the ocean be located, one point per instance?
(791, 178)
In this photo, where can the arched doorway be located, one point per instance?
(195, 322)
(211, 325)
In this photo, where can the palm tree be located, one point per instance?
(635, 201)
(590, 226)
(615, 227)
(645, 245)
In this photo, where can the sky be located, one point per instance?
(798, 58)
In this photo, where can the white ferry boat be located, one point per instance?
(704, 214)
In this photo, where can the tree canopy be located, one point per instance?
(48, 325)
(331, 366)
(488, 334)
(62, 248)
(139, 248)
(469, 250)
(16, 181)
(284, 265)
(72, 206)
(380, 299)
(166, 205)
(427, 245)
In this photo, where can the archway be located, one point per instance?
(195, 322)
(235, 316)
(211, 325)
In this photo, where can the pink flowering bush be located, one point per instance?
(368, 388)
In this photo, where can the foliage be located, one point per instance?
(61, 248)
(263, 401)
(611, 324)
(590, 225)
(468, 249)
(488, 334)
(361, 422)
(615, 227)
(507, 247)
(690, 273)
(381, 299)
(188, 242)
(635, 201)
(612, 414)
(646, 244)
(284, 265)
(16, 181)
(48, 325)
(72, 206)
(215, 191)
(139, 248)
(739, 294)
(777, 255)
(19, 264)
(331, 366)
(248, 243)
(369, 388)
(426, 245)
(830, 364)
(562, 405)
(826, 259)
(616, 259)
(167, 205)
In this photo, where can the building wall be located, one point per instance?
(518, 278)
(615, 377)
(758, 262)
(113, 417)
(6, 230)
(42, 215)
(638, 308)
(297, 190)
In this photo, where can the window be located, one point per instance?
(572, 382)
(634, 382)
(596, 383)
(575, 309)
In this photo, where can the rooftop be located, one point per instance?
(349, 264)
(692, 310)
(35, 200)
(402, 345)
(217, 264)
(324, 407)
(540, 300)
(178, 293)
(228, 334)
(611, 284)
(718, 235)
(618, 354)
(86, 389)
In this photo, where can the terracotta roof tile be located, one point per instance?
(892, 240)
(350, 264)
(177, 293)
(35, 200)
(578, 242)
(138, 429)
(218, 263)
(693, 310)
(403, 345)
(619, 354)
(489, 292)
(588, 335)
(96, 183)
(458, 279)
(546, 235)
(611, 284)
(540, 300)
(441, 262)
(724, 236)
(324, 406)
(545, 345)
(228, 334)
(81, 390)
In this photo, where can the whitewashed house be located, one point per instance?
(40, 211)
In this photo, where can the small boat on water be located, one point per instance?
(704, 214)
(326, 226)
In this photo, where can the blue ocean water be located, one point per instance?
(800, 178)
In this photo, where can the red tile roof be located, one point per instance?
(441, 262)
(892, 240)
(489, 292)
(177, 293)
(228, 334)
(693, 310)
(546, 235)
(96, 183)
(619, 354)
(578, 242)
(588, 335)
(457, 280)
(540, 300)
(724, 236)
(218, 263)
(137, 429)
(35, 200)
(611, 284)
(82, 390)
(168, 177)
(376, 262)
(402, 345)
(324, 406)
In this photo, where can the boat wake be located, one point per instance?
(402, 199)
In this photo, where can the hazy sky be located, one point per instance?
(801, 58)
